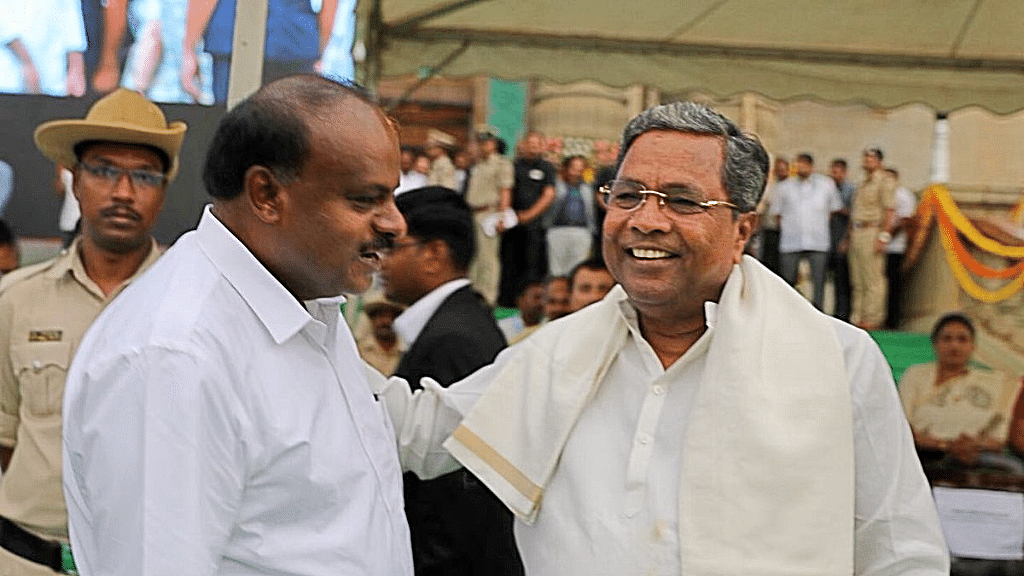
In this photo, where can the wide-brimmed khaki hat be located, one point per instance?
(439, 138)
(123, 116)
(379, 303)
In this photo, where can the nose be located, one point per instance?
(650, 216)
(123, 188)
(390, 220)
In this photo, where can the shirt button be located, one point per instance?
(628, 514)
(658, 390)
(37, 364)
(645, 439)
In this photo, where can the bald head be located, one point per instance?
(273, 128)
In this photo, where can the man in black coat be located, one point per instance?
(458, 527)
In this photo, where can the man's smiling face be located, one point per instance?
(670, 263)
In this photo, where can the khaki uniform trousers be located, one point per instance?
(485, 269)
(14, 565)
(867, 278)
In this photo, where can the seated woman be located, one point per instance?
(960, 414)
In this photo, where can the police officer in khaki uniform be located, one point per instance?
(489, 193)
(871, 221)
(123, 155)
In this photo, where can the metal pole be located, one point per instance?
(247, 50)
(940, 149)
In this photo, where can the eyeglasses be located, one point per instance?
(396, 246)
(628, 195)
(112, 175)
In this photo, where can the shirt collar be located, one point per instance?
(410, 323)
(632, 319)
(69, 261)
(273, 304)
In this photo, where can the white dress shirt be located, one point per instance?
(805, 205)
(411, 321)
(214, 424)
(612, 505)
(905, 204)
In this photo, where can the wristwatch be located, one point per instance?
(884, 236)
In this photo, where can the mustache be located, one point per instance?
(120, 210)
(380, 243)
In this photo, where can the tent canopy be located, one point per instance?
(944, 53)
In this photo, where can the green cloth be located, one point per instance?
(502, 313)
(903, 349)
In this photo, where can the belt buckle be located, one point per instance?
(67, 561)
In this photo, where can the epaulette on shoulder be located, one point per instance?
(19, 275)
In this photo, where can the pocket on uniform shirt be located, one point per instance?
(41, 368)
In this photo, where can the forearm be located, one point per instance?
(114, 26)
(887, 220)
(17, 47)
(76, 74)
(199, 13)
(423, 419)
(505, 199)
(327, 14)
(538, 207)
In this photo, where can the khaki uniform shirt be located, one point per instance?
(442, 173)
(44, 312)
(487, 180)
(876, 195)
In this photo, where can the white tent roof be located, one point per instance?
(944, 53)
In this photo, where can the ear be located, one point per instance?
(435, 256)
(745, 224)
(76, 177)
(265, 194)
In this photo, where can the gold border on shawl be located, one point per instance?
(496, 461)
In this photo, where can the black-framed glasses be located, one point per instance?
(112, 175)
(628, 195)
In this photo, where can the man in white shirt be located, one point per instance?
(218, 418)
(703, 418)
(895, 249)
(458, 527)
(802, 207)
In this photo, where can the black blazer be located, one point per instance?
(458, 527)
(460, 337)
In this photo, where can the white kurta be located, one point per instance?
(805, 206)
(612, 503)
(215, 425)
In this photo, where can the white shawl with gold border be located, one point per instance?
(767, 485)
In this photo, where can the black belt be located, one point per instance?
(21, 542)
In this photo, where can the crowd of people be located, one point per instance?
(204, 409)
(541, 215)
(854, 231)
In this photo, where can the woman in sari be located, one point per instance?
(960, 414)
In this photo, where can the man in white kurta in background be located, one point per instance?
(803, 204)
(703, 418)
(218, 416)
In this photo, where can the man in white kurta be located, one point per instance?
(803, 204)
(701, 419)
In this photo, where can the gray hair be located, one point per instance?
(745, 167)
